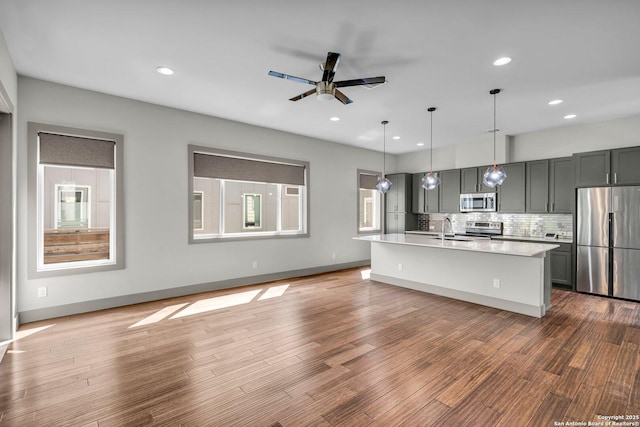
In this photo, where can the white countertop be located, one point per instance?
(536, 239)
(502, 247)
(504, 237)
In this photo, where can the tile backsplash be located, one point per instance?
(530, 225)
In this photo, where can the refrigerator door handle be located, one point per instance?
(607, 177)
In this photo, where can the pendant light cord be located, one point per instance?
(494, 130)
(431, 144)
(384, 148)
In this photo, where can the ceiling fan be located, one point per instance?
(326, 89)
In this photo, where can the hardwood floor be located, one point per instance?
(327, 350)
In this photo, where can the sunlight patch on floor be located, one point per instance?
(26, 332)
(217, 303)
(365, 274)
(159, 315)
(273, 292)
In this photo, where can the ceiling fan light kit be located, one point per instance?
(326, 89)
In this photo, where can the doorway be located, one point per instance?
(7, 302)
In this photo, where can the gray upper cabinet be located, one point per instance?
(511, 193)
(471, 180)
(625, 166)
(418, 205)
(450, 191)
(562, 185)
(398, 198)
(424, 201)
(537, 179)
(593, 169)
(550, 186)
(608, 167)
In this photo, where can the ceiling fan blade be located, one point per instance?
(360, 82)
(330, 66)
(294, 78)
(303, 95)
(342, 97)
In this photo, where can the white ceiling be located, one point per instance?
(433, 53)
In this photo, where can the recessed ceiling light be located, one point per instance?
(165, 71)
(420, 144)
(334, 119)
(570, 116)
(502, 61)
(396, 137)
(555, 102)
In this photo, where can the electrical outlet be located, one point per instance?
(42, 291)
(496, 283)
(255, 264)
(399, 267)
(333, 255)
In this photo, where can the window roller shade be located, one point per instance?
(368, 182)
(222, 167)
(74, 151)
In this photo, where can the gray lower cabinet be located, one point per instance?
(398, 222)
(562, 267)
(511, 196)
(399, 216)
(450, 191)
(471, 180)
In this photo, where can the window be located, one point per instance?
(369, 202)
(75, 201)
(197, 210)
(244, 196)
(72, 206)
(251, 208)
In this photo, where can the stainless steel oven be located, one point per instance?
(478, 202)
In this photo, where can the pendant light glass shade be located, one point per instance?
(431, 180)
(384, 184)
(494, 175)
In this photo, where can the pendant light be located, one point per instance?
(384, 184)
(431, 180)
(494, 175)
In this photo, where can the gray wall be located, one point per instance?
(545, 144)
(8, 141)
(156, 199)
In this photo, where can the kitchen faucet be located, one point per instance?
(446, 218)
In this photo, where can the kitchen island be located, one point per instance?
(513, 276)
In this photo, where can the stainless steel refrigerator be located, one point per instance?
(608, 241)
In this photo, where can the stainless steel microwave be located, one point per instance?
(478, 202)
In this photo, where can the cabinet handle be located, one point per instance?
(546, 207)
(607, 177)
(553, 206)
(615, 177)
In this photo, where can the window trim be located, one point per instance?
(305, 214)
(78, 267)
(380, 213)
